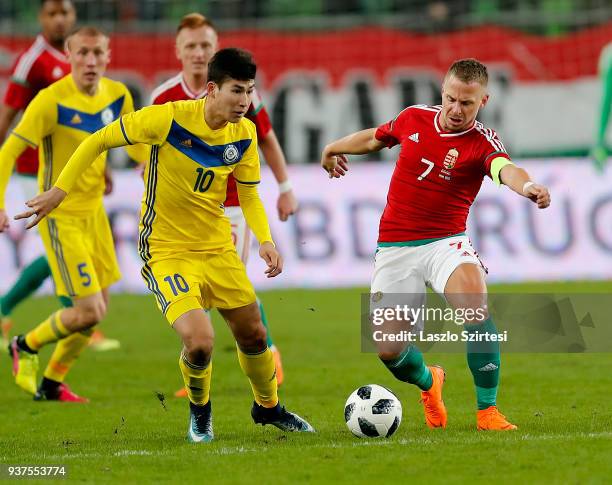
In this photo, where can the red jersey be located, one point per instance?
(437, 175)
(35, 69)
(175, 89)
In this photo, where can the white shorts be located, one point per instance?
(408, 270)
(241, 234)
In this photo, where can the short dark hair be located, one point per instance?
(469, 70)
(231, 63)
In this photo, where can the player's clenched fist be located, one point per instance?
(273, 259)
(538, 194)
(334, 165)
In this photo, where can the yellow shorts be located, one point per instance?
(190, 280)
(81, 253)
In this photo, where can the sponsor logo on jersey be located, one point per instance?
(451, 158)
(107, 116)
(414, 137)
(230, 154)
(76, 119)
(186, 143)
(57, 72)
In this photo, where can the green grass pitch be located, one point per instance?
(561, 404)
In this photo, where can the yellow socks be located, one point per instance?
(65, 354)
(196, 379)
(49, 331)
(260, 370)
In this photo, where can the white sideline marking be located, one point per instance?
(401, 442)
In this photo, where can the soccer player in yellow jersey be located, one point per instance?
(77, 239)
(190, 262)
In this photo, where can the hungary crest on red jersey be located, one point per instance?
(451, 158)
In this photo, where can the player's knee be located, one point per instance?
(255, 338)
(91, 314)
(199, 348)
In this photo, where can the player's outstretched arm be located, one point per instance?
(519, 181)
(42, 205)
(91, 148)
(286, 203)
(333, 158)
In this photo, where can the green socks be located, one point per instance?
(484, 361)
(29, 281)
(410, 367)
(265, 322)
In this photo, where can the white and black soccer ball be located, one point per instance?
(373, 411)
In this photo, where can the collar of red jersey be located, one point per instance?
(189, 92)
(52, 50)
(441, 132)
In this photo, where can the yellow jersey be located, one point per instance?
(185, 177)
(57, 120)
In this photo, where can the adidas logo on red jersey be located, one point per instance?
(414, 137)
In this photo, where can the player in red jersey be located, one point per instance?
(196, 43)
(43, 63)
(445, 154)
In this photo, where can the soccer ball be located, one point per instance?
(373, 411)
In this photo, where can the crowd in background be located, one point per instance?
(549, 17)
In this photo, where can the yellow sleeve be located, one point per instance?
(254, 212)
(247, 169)
(496, 165)
(39, 119)
(139, 153)
(247, 177)
(148, 125)
(10, 151)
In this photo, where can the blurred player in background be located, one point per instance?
(190, 263)
(196, 43)
(445, 154)
(77, 239)
(42, 64)
(600, 150)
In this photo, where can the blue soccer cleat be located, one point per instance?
(200, 423)
(281, 418)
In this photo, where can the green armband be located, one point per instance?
(496, 165)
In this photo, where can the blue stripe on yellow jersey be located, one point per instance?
(201, 152)
(57, 120)
(89, 122)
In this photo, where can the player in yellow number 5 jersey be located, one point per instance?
(190, 262)
(77, 239)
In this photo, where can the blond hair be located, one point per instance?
(468, 71)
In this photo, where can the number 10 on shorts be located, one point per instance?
(177, 283)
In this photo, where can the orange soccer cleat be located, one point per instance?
(100, 343)
(491, 419)
(6, 324)
(182, 392)
(435, 411)
(280, 376)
